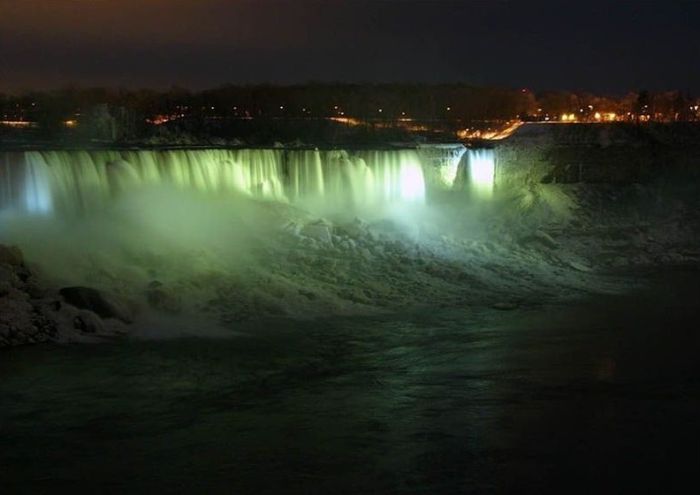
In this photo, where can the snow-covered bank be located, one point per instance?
(31, 313)
(598, 153)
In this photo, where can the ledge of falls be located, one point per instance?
(80, 180)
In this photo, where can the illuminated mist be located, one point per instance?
(246, 230)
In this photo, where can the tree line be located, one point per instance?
(131, 112)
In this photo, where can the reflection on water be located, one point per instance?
(600, 395)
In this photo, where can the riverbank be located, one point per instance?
(32, 312)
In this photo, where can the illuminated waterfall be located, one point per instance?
(335, 180)
(362, 179)
(481, 168)
(24, 186)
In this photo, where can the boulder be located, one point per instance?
(546, 239)
(88, 322)
(11, 255)
(319, 231)
(95, 301)
(357, 228)
(159, 298)
(7, 274)
(542, 238)
(292, 227)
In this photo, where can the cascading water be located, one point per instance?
(335, 180)
(362, 180)
(79, 180)
(237, 234)
(476, 172)
(245, 231)
(481, 170)
(24, 186)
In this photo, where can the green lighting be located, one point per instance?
(482, 170)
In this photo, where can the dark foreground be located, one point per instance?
(598, 397)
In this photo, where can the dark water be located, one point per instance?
(598, 397)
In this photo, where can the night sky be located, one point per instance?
(608, 47)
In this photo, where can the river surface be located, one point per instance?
(600, 396)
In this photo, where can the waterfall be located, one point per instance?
(476, 173)
(24, 185)
(362, 179)
(482, 169)
(336, 180)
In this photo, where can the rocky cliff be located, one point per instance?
(31, 313)
(598, 153)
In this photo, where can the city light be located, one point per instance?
(17, 123)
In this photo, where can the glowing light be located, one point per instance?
(70, 123)
(412, 184)
(17, 123)
(597, 116)
(489, 134)
(482, 171)
(156, 120)
(347, 121)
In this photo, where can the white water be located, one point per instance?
(326, 182)
(247, 232)
(240, 234)
(481, 171)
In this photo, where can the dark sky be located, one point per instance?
(610, 46)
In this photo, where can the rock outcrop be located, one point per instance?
(22, 316)
(31, 313)
(95, 301)
(613, 153)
